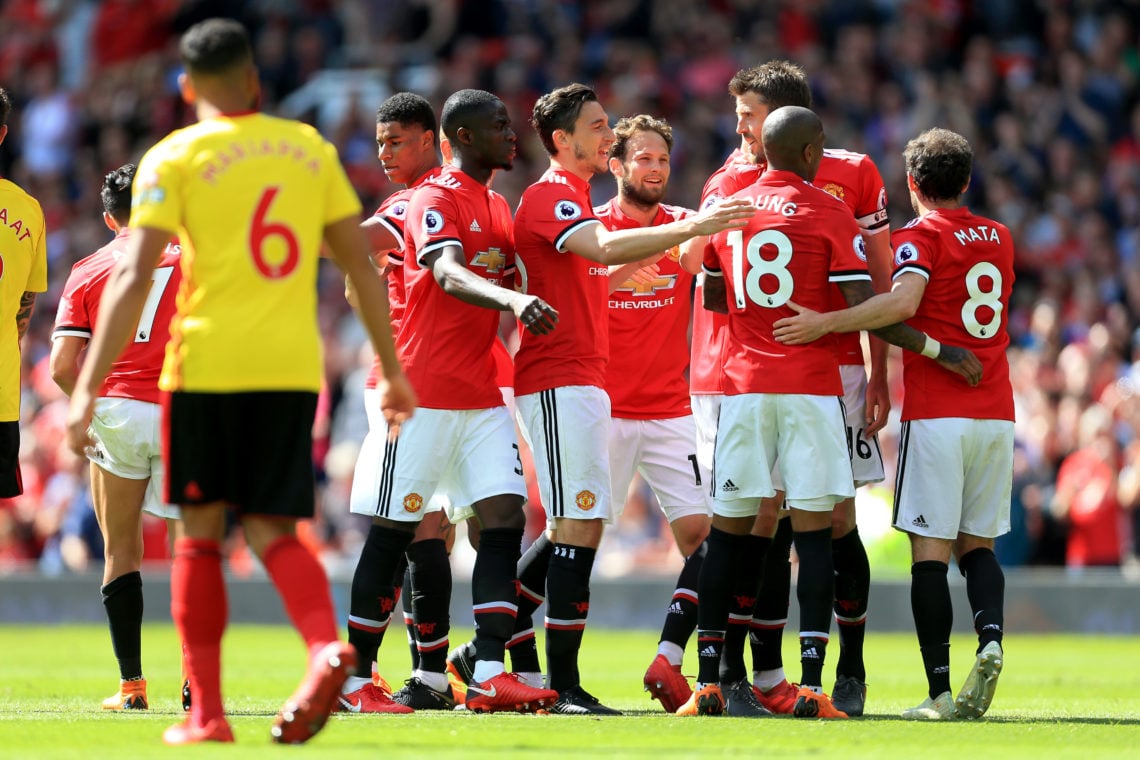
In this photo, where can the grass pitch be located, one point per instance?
(1059, 696)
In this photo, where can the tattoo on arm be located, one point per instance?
(24, 315)
(902, 335)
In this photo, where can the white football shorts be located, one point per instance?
(805, 433)
(127, 435)
(472, 453)
(568, 431)
(664, 452)
(955, 475)
(866, 456)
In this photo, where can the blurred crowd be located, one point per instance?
(1047, 91)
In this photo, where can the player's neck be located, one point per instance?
(643, 214)
(211, 109)
(570, 166)
(925, 205)
(473, 169)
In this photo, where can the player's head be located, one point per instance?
(5, 109)
(639, 159)
(218, 62)
(938, 166)
(758, 91)
(479, 130)
(574, 128)
(116, 196)
(793, 140)
(406, 135)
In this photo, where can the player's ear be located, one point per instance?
(186, 88)
(110, 222)
(561, 138)
(615, 166)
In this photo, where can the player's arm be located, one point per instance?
(64, 361)
(714, 294)
(24, 313)
(954, 358)
(691, 252)
(119, 310)
(643, 271)
(878, 397)
(447, 265)
(350, 250)
(595, 242)
(379, 235)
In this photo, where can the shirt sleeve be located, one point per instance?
(871, 213)
(72, 318)
(37, 275)
(911, 255)
(157, 194)
(849, 252)
(432, 221)
(557, 212)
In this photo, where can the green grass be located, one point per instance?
(1060, 696)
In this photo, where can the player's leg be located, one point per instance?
(745, 453)
(118, 504)
(985, 515)
(195, 467)
(667, 460)
(568, 432)
(852, 569)
(814, 483)
(491, 475)
(928, 485)
(770, 616)
(427, 593)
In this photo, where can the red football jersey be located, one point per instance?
(968, 263)
(444, 343)
(575, 353)
(504, 365)
(649, 350)
(135, 373)
(710, 329)
(799, 241)
(854, 179)
(392, 213)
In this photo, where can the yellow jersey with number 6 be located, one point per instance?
(248, 195)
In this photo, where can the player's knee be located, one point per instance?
(843, 518)
(580, 532)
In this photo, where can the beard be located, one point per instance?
(640, 195)
(581, 155)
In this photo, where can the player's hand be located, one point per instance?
(877, 405)
(804, 327)
(534, 314)
(646, 275)
(961, 361)
(397, 401)
(78, 425)
(730, 214)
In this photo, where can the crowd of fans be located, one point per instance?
(1047, 91)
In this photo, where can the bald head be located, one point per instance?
(793, 140)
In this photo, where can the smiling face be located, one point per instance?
(750, 115)
(589, 143)
(405, 150)
(644, 174)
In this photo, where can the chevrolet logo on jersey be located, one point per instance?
(665, 282)
(492, 258)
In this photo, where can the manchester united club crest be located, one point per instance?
(585, 500)
(833, 189)
(413, 503)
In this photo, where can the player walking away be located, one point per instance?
(783, 403)
(406, 136)
(651, 426)
(23, 241)
(564, 254)
(953, 277)
(126, 460)
(463, 435)
(250, 197)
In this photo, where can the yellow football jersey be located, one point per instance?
(248, 196)
(23, 268)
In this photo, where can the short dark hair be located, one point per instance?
(407, 108)
(5, 106)
(778, 83)
(629, 126)
(215, 46)
(461, 106)
(940, 162)
(116, 193)
(559, 110)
